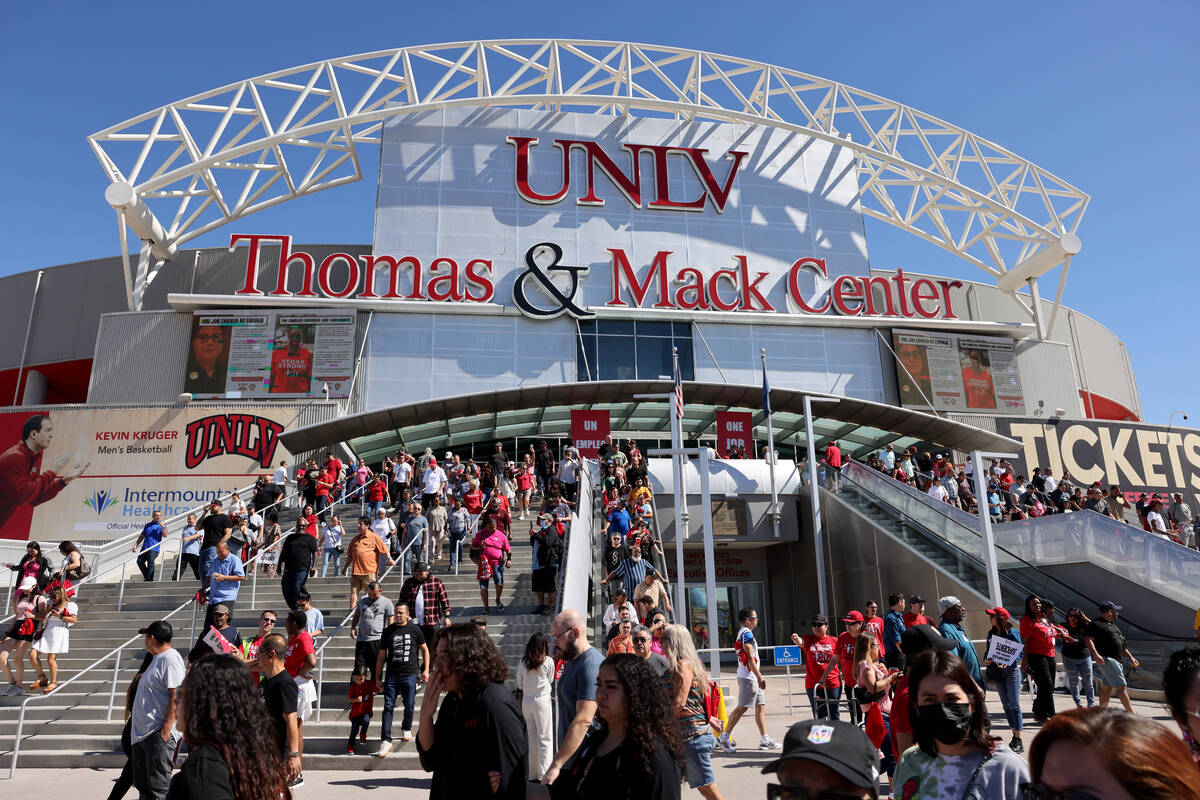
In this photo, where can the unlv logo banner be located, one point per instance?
(97, 474)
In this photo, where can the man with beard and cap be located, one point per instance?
(915, 640)
(825, 758)
(953, 614)
(576, 687)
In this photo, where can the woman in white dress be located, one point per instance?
(535, 676)
(55, 638)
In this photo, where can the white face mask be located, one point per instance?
(635, 559)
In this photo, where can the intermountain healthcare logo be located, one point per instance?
(100, 500)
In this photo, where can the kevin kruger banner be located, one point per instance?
(121, 465)
(1137, 458)
(589, 431)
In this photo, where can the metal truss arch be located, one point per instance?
(213, 158)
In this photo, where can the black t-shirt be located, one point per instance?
(214, 527)
(266, 495)
(311, 476)
(280, 696)
(613, 556)
(202, 650)
(499, 462)
(1109, 641)
(297, 551)
(632, 474)
(593, 777)
(1078, 649)
(403, 647)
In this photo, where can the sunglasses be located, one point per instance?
(777, 792)
(641, 639)
(1040, 791)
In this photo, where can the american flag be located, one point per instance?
(678, 392)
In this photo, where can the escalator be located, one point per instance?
(1074, 562)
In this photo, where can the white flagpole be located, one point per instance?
(771, 453)
(681, 513)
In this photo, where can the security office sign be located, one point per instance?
(1134, 456)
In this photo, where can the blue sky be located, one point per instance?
(1102, 94)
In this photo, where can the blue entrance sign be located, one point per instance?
(792, 655)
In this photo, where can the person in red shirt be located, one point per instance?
(843, 657)
(833, 462)
(916, 612)
(978, 383)
(325, 485)
(873, 623)
(362, 704)
(1037, 634)
(22, 481)
(300, 660)
(307, 521)
(291, 368)
(819, 651)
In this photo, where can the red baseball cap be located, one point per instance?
(853, 616)
(999, 611)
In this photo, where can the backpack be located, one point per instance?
(554, 544)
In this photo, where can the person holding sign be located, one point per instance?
(1003, 668)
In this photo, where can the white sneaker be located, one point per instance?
(767, 743)
(725, 744)
(385, 747)
(406, 736)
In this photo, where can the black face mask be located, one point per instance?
(946, 722)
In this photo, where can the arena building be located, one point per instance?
(555, 222)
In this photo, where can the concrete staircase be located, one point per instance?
(70, 729)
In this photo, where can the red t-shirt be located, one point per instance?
(362, 698)
(911, 619)
(327, 477)
(898, 721)
(298, 648)
(1037, 636)
(833, 456)
(375, 492)
(980, 393)
(291, 373)
(845, 652)
(818, 652)
(875, 625)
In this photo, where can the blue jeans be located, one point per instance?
(406, 685)
(697, 753)
(375, 506)
(455, 538)
(207, 556)
(145, 563)
(331, 554)
(290, 584)
(1009, 687)
(823, 699)
(1080, 670)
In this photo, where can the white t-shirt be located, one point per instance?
(1051, 483)
(418, 610)
(745, 638)
(398, 471)
(435, 478)
(280, 477)
(383, 527)
(567, 470)
(1155, 521)
(938, 491)
(333, 537)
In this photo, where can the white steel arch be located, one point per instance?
(199, 163)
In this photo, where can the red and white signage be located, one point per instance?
(735, 429)
(589, 431)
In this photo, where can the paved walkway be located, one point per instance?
(739, 775)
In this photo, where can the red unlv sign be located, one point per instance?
(735, 429)
(589, 431)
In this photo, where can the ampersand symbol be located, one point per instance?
(565, 300)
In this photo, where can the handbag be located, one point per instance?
(875, 728)
(714, 707)
(485, 570)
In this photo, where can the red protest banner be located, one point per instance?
(589, 430)
(734, 428)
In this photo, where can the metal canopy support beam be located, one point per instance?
(985, 520)
(814, 496)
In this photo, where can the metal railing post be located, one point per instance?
(112, 689)
(12, 768)
(320, 681)
(121, 593)
(254, 584)
(8, 597)
(192, 632)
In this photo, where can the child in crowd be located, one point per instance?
(362, 703)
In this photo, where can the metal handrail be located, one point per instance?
(12, 768)
(473, 528)
(399, 561)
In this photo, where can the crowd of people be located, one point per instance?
(1011, 496)
(44, 610)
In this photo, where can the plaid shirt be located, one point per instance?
(437, 604)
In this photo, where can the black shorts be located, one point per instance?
(20, 637)
(544, 579)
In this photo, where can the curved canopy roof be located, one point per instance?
(861, 425)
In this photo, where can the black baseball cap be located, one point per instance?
(420, 566)
(916, 598)
(840, 746)
(820, 619)
(160, 630)
(920, 638)
(1109, 605)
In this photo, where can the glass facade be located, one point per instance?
(615, 350)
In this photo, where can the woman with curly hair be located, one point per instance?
(478, 741)
(223, 719)
(636, 752)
